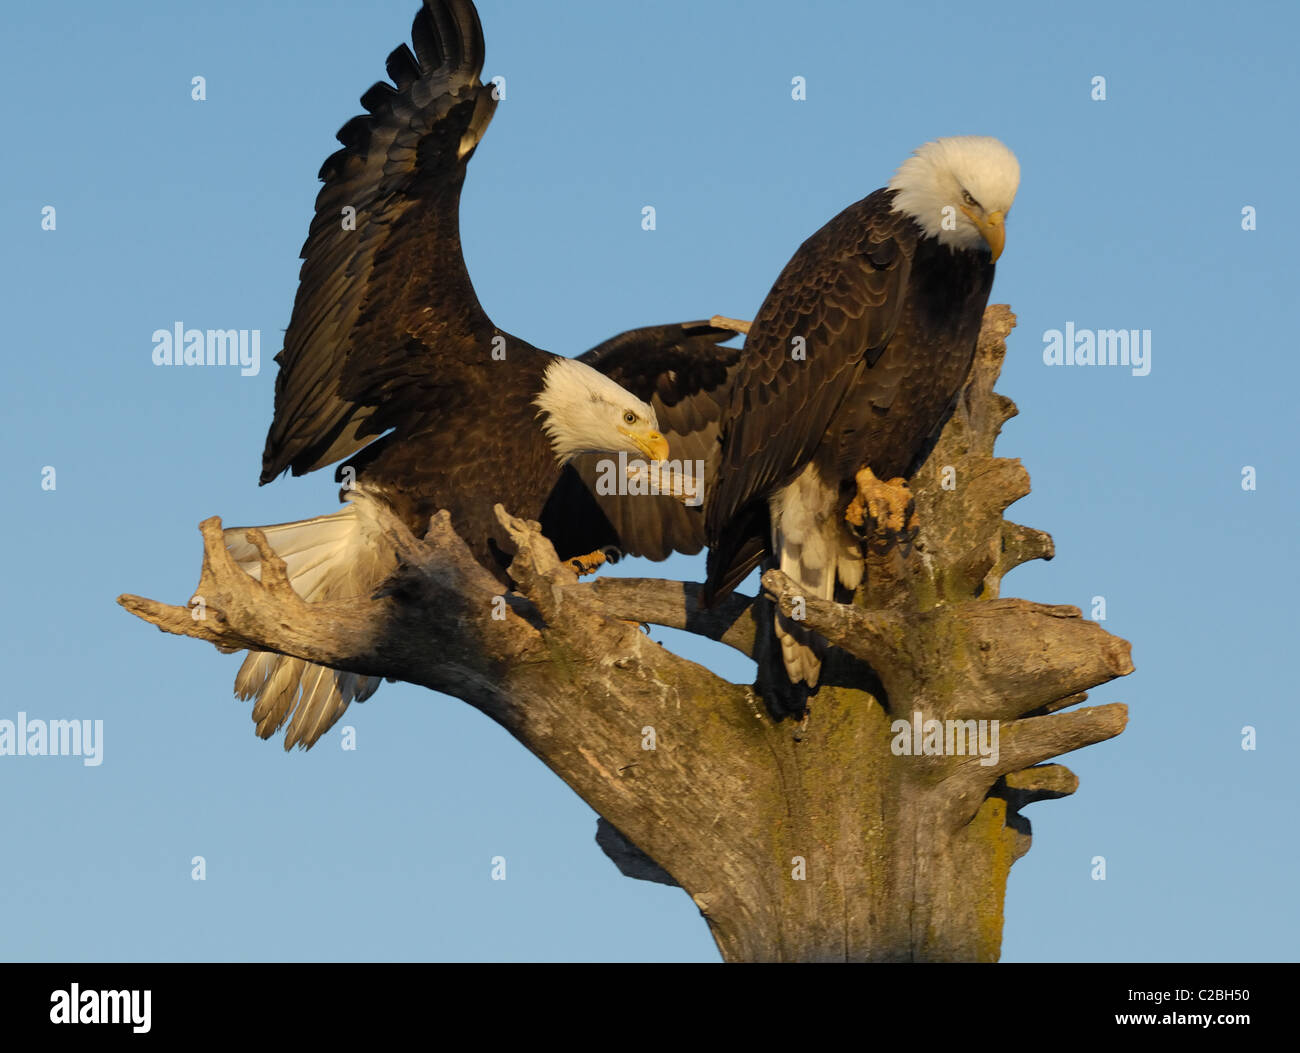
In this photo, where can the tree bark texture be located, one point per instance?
(826, 840)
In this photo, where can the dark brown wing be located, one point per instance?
(684, 373)
(836, 303)
(384, 297)
(840, 294)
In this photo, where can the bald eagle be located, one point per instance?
(854, 360)
(390, 361)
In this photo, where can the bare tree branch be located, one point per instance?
(675, 605)
(882, 828)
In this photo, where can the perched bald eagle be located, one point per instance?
(855, 359)
(390, 360)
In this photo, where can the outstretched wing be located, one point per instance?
(383, 294)
(826, 321)
(684, 373)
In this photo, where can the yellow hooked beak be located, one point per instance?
(992, 228)
(651, 443)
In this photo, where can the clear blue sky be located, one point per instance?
(1129, 216)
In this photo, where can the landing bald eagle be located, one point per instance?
(390, 360)
(855, 359)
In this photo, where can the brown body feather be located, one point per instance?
(390, 360)
(855, 359)
(888, 320)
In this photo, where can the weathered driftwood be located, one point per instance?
(818, 841)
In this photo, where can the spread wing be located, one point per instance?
(385, 308)
(825, 323)
(684, 373)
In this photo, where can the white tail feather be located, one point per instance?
(327, 558)
(810, 550)
(802, 650)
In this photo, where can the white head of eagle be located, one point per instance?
(586, 412)
(959, 190)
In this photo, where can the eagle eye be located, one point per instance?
(965, 196)
(629, 417)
